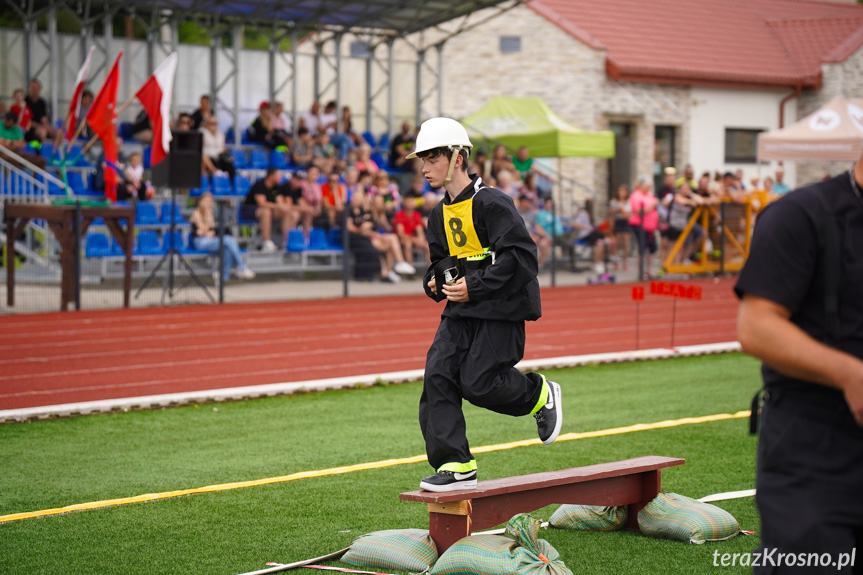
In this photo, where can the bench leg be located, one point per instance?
(651, 483)
(448, 523)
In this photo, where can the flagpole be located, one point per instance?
(93, 140)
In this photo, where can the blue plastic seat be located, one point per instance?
(384, 142)
(369, 138)
(147, 156)
(242, 184)
(241, 161)
(258, 159)
(145, 213)
(278, 159)
(296, 241)
(165, 213)
(378, 158)
(147, 243)
(318, 239)
(174, 240)
(76, 182)
(222, 185)
(97, 245)
(334, 238)
(124, 130)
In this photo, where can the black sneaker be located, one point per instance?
(550, 417)
(449, 481)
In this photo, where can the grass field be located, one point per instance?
(51, 464)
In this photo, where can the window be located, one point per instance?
(360, 49)
(510, 44)
(741, 145)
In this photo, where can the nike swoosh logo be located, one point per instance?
(460, 476)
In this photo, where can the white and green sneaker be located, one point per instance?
(449, 481)
(549, 418)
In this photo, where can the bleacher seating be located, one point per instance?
(296, 241)
(147, 157)
(147, 243)
(369, 138)
(76, 182)
(222, 185)
(378, 158)
(318, 239)
(97, 245)
(258, 159)
(165, 213)
(334, 238)
(241, 161)
(177, 243)
(242, 184)
(278, 159)
(145, 213)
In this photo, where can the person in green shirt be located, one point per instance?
(522, 161)
(12, 137)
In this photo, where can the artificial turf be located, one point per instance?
(49, 464)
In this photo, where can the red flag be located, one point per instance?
(75, 104)
(155, 96)
(102, 118)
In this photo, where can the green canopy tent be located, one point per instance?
(516, 122)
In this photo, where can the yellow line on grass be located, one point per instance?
(363, 467)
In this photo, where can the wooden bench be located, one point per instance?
(632, 482)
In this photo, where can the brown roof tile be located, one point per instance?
(760, 42)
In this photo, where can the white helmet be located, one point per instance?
(440, 133)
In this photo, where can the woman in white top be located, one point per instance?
(216, 158)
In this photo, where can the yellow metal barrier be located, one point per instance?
(724, 245)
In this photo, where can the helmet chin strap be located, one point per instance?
(452, 160)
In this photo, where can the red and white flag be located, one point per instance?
(75, 104)
(102, 118)
(155, 96)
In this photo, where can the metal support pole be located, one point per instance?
(722, 227)
(214, 71)
(294, 118)
(271, 65)
(369, 61)
(237, 45)
(440, 80)
(421, 55)
(390, 88)
(53, 72)
(29, 30)
(319, 49)
(553, 242)
(337, 46)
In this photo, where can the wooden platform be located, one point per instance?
(632, 482)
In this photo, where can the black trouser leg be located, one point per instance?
(471, 359)
(809, 485)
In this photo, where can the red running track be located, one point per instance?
(57, 358)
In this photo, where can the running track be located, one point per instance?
(50, 359)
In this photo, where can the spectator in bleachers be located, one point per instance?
(768, 185)
(528, 213)
(312, 206)
(506, 184)
(262, 131)
(202, 114)
(216, 158)
(522, 162)
(183, 123)
(361, 225)
(417, 188)
(265, 203)
(500, 161)
(12, 137)
(364, 162)
(134, 185)
(588, 234)
(324, 154)
(41, 116)
(303, 153)
(352, 182)
(382, 187)
(382, 218)
(311, 118)
(402, 145)
(430, 200)
(408, 224)
(346, 127)
(360, 229)
(335, 197)
(19, 106)
(479, 164)
(731, 187)
(685, 201)
(205, 237)
(86, 102)
(687, 176)
(329, 119)
(282, 124)
(529, 188)
(141, 128)
(644, 220)
(779, 185)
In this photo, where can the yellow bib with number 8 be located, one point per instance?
(460, 233)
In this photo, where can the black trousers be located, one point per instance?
(809, 484)
(471, 359)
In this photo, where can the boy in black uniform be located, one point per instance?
(801, 313)
(481, 334)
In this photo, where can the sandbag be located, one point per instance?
(397, 549)
(517, 553)
(589, 517)
(674, 516)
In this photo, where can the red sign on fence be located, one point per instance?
(638, 293)
(682, 291)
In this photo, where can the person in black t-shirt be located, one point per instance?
(202, 114)
(401, 146)
(265, 203)
(40, 120)
(801, 313)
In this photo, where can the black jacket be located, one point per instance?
(503, 287)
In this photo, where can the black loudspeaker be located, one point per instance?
(181, 168)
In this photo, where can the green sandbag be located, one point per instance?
(674, 516)
(397, 549)
(518, 553)
(589, 518)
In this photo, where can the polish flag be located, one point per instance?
(75, 104)
(155, 96)
(102, 118)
